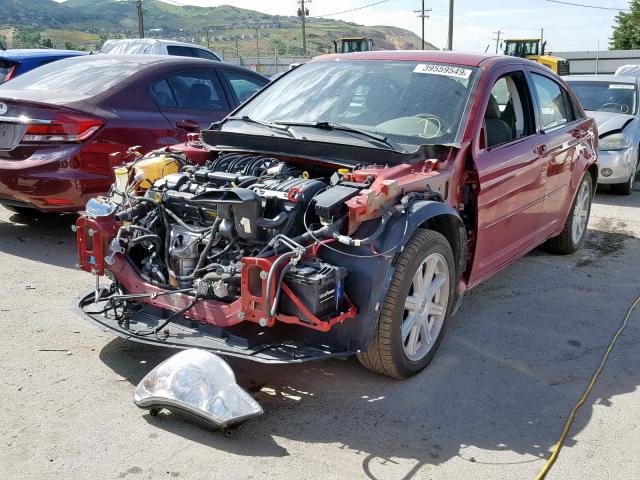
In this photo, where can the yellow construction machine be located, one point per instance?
(353, 44)
(532, 49)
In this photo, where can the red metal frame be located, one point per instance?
(95, 234)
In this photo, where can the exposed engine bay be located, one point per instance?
(237, 240)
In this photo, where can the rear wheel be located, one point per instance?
(575, 228)
(415, 311)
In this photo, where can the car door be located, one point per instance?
(511, 174)
(564, 133)
(191, 100)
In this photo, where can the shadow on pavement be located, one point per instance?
(44, 237)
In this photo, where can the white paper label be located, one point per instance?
(447, 70)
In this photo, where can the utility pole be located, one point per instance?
(497, 39)
(258, 44)
(303, 13)
(140, 19)
(208, 44)
(422, 13)
(450, 35)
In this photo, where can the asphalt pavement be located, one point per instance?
(490, 406)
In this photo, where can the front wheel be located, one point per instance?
(414, 314)
(575, 228)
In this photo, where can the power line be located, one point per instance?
(588, 6)
(353, 9)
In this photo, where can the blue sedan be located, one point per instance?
(17, 61)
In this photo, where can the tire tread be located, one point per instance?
(379, 355)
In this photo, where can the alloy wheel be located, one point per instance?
(425, 307)
(581, 212)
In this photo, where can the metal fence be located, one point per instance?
(266, 65)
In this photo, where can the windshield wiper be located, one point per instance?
(271, 126)
(342, 128)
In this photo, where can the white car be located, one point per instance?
(154, 46)
(613, 101)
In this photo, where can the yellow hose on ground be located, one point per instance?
(565, 431)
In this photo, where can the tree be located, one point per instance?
(626, 32)
(47, 43)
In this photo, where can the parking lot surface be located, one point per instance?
(491, 405)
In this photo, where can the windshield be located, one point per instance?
(408, 102)
(606, 96)
(77, 77)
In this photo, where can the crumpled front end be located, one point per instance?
(249, 255)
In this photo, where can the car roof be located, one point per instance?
(141, 59)
(457, 58)
(19, 54)
(600, 78)
(161, 62)
(154, 41)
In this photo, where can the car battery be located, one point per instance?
(320, 288)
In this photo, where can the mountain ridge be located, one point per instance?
(231, 29)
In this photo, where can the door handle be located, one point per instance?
(540, 149)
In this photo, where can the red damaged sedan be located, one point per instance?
(345, 209)
(60, 123)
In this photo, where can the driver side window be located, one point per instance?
(508, 116)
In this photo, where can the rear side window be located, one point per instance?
(551, 102)
(5, 68)
(181, 51)
(77, 78)
(200, 53)
(199, 90)
(244, 86)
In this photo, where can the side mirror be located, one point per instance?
(188, 125)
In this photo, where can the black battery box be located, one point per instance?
(320, 288)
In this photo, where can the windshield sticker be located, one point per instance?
(621, 86)
(449, 71)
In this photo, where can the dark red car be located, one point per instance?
(345, 209)
(60, 123)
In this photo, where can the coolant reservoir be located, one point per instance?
(154, 168)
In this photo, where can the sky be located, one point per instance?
(565, 27)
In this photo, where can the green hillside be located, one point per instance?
(231, 30)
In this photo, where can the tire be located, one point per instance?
(399, 355)
(627, 187)
(572, 236)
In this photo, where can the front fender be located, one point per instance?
(370, 274)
